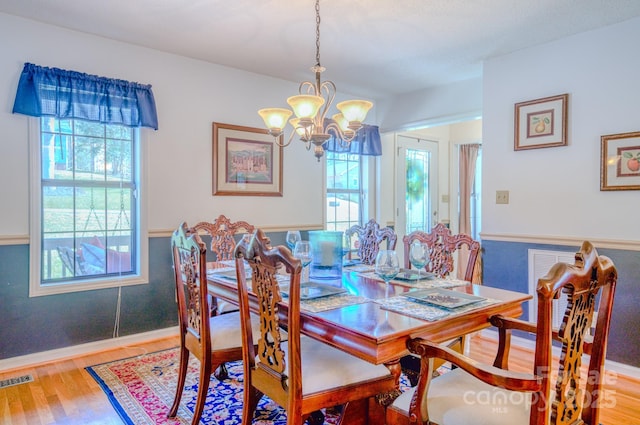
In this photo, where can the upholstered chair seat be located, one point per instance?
(226, 332)
(488, 405)
(326, 368)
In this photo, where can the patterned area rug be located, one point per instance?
(141, 389)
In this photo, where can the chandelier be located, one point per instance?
(310, 107)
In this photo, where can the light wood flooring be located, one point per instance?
(64, 393)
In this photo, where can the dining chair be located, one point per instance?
(303, 375)
(223, 233)
(443, 245)
(369, 238)
(556, 392)
(212, 340)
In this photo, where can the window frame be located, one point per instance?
(365, 177)
(36, 287)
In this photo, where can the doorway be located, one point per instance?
(417, 185)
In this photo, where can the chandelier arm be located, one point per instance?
(284, 145)
(311, 88)
(328, 91)
(344, 137)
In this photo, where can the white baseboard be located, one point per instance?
(620, 368)
(83, 349)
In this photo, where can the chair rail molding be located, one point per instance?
(628, 245)
(14, 240)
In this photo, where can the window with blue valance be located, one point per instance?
(67, 94)
(366, 142)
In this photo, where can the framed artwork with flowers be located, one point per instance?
(620, 161)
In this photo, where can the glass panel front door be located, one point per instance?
(416, 185)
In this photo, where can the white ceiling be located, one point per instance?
(371, 48)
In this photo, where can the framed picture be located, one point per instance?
(541, 123)
(246, 162)
(620, 161)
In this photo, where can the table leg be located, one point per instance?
(386, 399)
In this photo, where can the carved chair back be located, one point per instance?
(443, 245)
(222, 232)
(566, 396)
(268, 367)
(591, 276)
(189, 263)
(369, 238)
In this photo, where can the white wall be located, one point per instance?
(556, 191)
(435, 106)
(189, 95)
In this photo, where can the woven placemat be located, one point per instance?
(423, 283)
(425, 311)
(317, 305)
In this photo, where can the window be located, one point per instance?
(85, 206)
(85, 228)
(346, 184)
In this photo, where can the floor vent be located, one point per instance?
(16, 381)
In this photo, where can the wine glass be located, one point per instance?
(387, 264)
(293, 236)
(346, 245)
(302, 251)
(419, 256)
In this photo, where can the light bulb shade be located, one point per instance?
(275, 118)
(295, 123)
(341, 121)
(305, 105)
(354, 110)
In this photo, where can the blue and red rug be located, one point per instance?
(141, 389)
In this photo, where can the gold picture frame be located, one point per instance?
(246, 161)
(541, 123)
(620, 161)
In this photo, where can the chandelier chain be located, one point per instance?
(318, 33)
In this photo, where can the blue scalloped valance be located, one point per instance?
(366, 142)
(66, 94)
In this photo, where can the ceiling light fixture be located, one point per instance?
(311, 107)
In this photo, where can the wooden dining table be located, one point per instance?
(369, 330)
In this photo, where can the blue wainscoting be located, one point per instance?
(505, 265)
(33, 325)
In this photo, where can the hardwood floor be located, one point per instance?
(64, 394)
